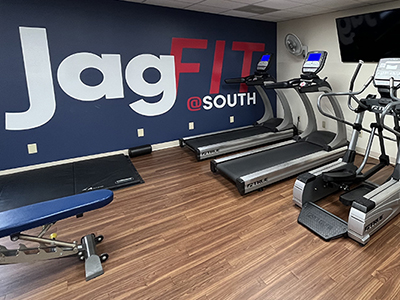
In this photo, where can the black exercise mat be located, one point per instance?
(44, 184)
(109, 172)
(29, 187)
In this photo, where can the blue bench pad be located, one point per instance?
(27, 217)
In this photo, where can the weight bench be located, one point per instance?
(46, 213)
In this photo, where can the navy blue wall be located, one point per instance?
(125, 30)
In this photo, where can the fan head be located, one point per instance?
(294, 45)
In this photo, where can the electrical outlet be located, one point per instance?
(32, 148)
(140, 132)
(231, 119)
(191, 125)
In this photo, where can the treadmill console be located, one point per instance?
(264, 62)
(386, 69)
(314, 62)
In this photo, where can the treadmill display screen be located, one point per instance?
(314, 57)
(263, 64)
(314, 62)
(265, 57)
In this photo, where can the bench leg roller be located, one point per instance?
(93, 267)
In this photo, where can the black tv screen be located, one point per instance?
(369, 37)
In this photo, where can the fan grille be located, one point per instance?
(293, 44)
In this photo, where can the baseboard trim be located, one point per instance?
(154, 147)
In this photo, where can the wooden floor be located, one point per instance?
(186, 233)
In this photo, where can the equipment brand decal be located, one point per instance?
(377, 108)
(373, 223)
(40, 86)
(256, 183)
(209, 152)
(320, 222)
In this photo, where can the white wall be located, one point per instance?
(319, 33)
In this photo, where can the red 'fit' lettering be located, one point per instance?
(177, 46)
(217, 67)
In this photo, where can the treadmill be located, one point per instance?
(252, 170)
(265, 131)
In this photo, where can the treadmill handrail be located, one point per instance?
(251, 79)
(292, 83)
(235, 80)
(258, 80)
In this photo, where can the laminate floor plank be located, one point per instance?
(187, 233)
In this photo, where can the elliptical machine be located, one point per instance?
(372, 206)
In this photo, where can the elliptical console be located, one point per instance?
(386, 69)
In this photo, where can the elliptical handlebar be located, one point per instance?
(389, 107)
(353, 79)
(352, 95)
(393, 89)
(330, 115)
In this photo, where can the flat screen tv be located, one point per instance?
(369, 37)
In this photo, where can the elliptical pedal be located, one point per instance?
(321, 222)
(356, 193)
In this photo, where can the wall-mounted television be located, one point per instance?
(369, 37)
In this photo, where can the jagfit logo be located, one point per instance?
(39, 78)
(218, 100)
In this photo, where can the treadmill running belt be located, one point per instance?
(29, 187)
(236, 168)
(226, 136)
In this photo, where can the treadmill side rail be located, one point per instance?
(250, 152)
(213, 150)
(260, 179)
(182, 140)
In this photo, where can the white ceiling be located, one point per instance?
(266, 10)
